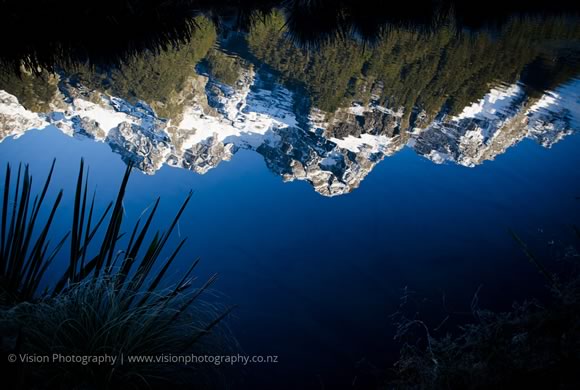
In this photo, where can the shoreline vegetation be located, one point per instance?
(534, 345)
(110, 300)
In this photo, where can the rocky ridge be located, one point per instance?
(332, 151)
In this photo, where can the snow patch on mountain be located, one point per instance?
(494, 104)
(555, 115)
(502, 118)
(15, 120)
(334, 151)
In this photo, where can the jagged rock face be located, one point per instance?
(301, 155)
(555, 115)
(472, 137)
(89, 128)
(146, 149)
(15, 120)
(466, 143)
(332, 151)
(372, 122)
(502, 118)
(206, 155)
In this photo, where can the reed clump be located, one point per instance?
(112, 301)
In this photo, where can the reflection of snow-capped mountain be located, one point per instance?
(499, 120)
(256, 114)
(332, 151)
(555, 115)
(15, 119)
(481, 131)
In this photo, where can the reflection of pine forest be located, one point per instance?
(425, 69)
(436, 69)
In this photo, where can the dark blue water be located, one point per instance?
(316, 278)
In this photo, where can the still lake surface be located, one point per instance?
(314, 231)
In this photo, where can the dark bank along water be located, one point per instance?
(317, 277)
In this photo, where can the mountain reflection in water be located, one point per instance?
(327, 116)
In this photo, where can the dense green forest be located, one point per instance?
(153, 77)
(430, 69)
(223, 67)
(34, 90)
